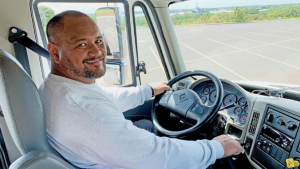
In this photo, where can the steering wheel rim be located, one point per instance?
(210, 114)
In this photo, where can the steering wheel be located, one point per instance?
(186, 103)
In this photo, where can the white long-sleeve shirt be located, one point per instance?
(85, 124)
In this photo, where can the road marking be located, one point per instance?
(262, 56)
(296, 67)
(225, 53)
(224, 43)
(158, 60)
(268, 35)
(247, 39)
(242, 77)
(289, 28)
(194, 60)
(282, 31)
(274, 44)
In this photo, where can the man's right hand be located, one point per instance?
(230, 145)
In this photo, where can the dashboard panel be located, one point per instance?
(271, 130)
(238, 113)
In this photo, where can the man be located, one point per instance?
(84, 121)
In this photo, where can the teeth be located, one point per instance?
(91, 61)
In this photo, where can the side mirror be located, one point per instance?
(113, 75)
(109, 20)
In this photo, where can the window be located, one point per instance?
(147, 50)
(110, 18)
(240, 40)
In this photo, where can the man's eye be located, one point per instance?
(82, 45)
(99, 41)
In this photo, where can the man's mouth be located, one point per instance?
(94, 62)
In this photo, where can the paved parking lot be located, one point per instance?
(260, 51)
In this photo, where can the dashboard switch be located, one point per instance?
(270, 118)
(292, 126)
(281, 121)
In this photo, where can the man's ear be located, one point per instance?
(53, 50)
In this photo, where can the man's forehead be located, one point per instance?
(78, 28)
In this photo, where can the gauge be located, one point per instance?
(243, 119)
(203, 98)
(206, 91)
(246, 109)
(238, 111)
(229, 99)
(242, 101)
(213, 96)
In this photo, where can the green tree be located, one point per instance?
(240, 14)
(46, 14)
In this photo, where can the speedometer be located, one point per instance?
(242, 101)
(212, 96)
(229, 99)
(242, 119)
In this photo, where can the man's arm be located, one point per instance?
(131, 97)
(118, 142)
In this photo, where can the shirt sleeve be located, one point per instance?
(129, 97)
(116, 141)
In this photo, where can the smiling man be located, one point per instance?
(84, 121)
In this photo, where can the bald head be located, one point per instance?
(56, 24)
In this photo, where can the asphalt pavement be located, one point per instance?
(267, 51)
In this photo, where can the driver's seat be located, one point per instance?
(23, 113)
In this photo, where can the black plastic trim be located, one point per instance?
(157, 21)
(127, 16)
(158, 46)
(174, 2)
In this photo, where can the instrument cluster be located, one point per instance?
(238, 113)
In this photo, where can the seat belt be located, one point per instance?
(20, 41)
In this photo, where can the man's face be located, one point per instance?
(82, 51)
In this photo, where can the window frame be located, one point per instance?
(154, 35)
(35, 12)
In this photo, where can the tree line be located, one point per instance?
(238, 14)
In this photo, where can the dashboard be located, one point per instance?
(269, 127)
(238, 113)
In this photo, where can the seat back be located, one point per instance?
(22, 107)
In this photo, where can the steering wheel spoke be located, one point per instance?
(164, 99)
(195, 112)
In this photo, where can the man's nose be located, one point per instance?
(95, 51)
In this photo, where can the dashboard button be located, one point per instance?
(258, 143)
(284, 157)
(278, 154)
(274, 151)
(264, 143)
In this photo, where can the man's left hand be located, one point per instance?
(160, 87)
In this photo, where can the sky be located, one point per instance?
(92, 7)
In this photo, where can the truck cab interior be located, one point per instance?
(233, 67)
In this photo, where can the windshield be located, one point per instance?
(239, 39)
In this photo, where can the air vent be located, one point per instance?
(254, 122)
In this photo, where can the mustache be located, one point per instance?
(93, 58)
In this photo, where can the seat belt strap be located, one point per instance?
(20, 41)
